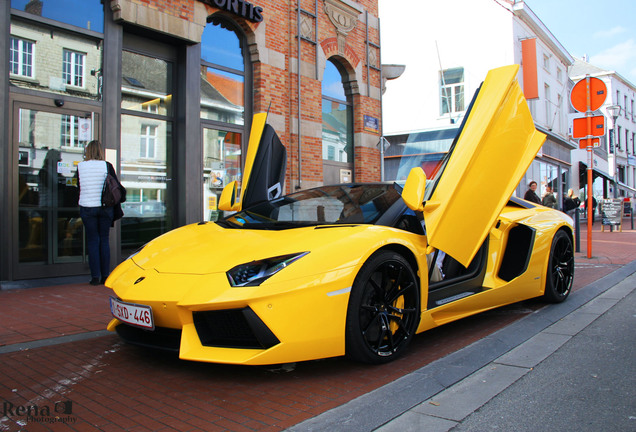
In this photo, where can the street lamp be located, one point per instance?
(613, 111)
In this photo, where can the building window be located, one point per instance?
(621, 173)
(558, 113)
(21, 57)
(64, 45)
(85, 14)
(451, 91)
(331, 153)
(147, 141)
(559, 75)
(337, 117)
(546, 62)
(222, 73)
(625, 106)
(618, 139)
(547, 104)
(73, 65)
(71, 131)
(152, 107)
(225, 97)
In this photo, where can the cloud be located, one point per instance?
(605, 34)
(619, 57)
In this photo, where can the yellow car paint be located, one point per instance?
(306, 304)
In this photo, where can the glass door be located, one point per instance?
(221, 165)
(146, 148)
(50, 145)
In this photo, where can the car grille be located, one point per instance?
(160, 338)
(233, 328)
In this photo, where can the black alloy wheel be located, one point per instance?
(560, 269)
(384, 309)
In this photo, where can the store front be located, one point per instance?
(52, 109)
(170, 92)
(551, 168)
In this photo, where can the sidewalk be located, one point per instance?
(576, 374)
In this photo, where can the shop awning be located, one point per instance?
(595, 173)
(626, 188)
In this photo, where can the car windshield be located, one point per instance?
(426, 150)
(326, 205)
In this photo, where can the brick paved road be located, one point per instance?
(113, 387)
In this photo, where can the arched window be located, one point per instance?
(222, 73)
(337, 118)
(224, 98)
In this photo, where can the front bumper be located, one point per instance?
(269, 324)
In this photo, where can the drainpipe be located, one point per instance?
(299, 185)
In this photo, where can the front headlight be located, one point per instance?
(257, 272)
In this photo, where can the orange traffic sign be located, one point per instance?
(597, 92)
(585, 143)
(579, 127)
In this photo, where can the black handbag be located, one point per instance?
(113, 193)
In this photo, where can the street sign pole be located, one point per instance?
(587, 96)
(590, 160)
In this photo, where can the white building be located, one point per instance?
(448, 48)
(617, 154)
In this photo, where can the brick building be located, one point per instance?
(169, 87)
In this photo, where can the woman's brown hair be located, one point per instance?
(93, 151)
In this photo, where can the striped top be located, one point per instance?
(92, 175)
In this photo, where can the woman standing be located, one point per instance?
(97, 219)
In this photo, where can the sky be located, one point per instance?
(605, 30)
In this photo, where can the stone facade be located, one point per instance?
(342, 35)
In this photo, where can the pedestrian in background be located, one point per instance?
(549, 199)
(531, 194)
(571, 203)
(594, 204)
(97, 219)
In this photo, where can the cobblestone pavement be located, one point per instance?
(61, 371)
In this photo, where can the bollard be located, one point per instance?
(577, 230)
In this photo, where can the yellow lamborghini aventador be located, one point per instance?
(353, 269)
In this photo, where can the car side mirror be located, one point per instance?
(414, 189)
(228, 201)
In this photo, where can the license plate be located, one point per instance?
(133, 314)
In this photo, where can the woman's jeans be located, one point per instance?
(97, 222)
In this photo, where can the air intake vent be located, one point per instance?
(233, 328)
(160, 338)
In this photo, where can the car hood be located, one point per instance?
(209, 248)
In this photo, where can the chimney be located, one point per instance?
(34, 7)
